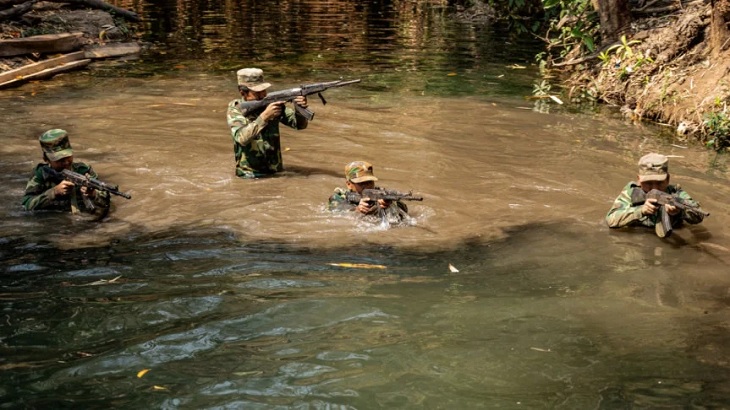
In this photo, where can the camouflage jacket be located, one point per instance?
(256, 143)
(624, 214)
(39, 194)
(338, 202)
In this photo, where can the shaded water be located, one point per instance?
(237, 294)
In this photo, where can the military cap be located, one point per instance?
(653, 167)
(252, 78)
(55, 144)
(359, 171)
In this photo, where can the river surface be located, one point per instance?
(506, 290)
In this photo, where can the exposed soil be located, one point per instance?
(667, 75)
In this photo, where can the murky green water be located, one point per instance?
(248, 294)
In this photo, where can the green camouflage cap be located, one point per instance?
(55, 144)
(359, 171)
(252, 78)
(653, 167)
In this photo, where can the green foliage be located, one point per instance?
(623, 50)
(717, 128)
(542, 89)
(573, 24)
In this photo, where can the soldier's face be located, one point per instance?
(61, 164)
(647, 186)
(362, 185)
(254, 95)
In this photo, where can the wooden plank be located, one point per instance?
(112, 50)
(46, 66)
(49, 72)
(46, 43)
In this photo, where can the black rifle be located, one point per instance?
(82, 180)
(380, 193)
(290, 94)
(664, 228)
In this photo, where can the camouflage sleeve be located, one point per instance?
(691, 216)
(622, 213)
(290, 119)
(338, 201)
(38, 192)
(243, 130)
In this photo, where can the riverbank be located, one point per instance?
(662, 71)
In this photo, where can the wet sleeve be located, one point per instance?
(243, 130)
(693, 214)
(338, 201)
(622, 213)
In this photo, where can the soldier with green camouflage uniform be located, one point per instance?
(43, 192)
(653, 174)
(256, 140)
(359, 176)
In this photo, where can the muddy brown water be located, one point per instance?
(249, 294)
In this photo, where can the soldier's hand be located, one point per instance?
(273, 111)
(301, 101)
(649, 207)
(672, 210)
(384, 203)
(88, 192)
(63, 188)
(364, 207)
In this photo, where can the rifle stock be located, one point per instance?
(290, 94)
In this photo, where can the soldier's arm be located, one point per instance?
(243, 130)
(622, 213)
(37, 195)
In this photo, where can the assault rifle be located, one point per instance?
(664, 228)
(288, 95)
(83, 180)
(380, 193)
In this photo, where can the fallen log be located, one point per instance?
(99, 4)
(17, 10)
(94, 4)
(46, 43)
(111, 50)
(43, 69)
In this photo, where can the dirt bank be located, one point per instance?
(662, 71)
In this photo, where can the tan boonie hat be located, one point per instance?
(653, 167)
(252, 78)
(55, 144)
(359, 171)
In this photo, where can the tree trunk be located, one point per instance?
(614, 16)
(719, 30)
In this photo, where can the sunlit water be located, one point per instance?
(249, 294)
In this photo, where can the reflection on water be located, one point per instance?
(249, 294)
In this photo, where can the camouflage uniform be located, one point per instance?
(652, 167)
(624, 214)
(338, 202)
(256, 143)
(39, 192)
(358, 172)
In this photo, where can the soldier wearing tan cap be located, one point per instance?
(45, 193)
(653, 174)
(359, 176)
(256, 138)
